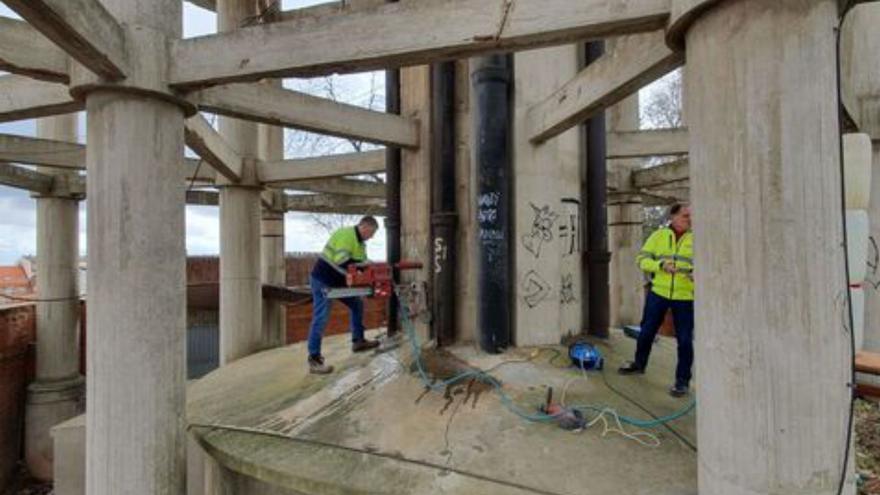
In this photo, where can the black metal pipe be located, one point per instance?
(491, 80)
(596, 258)
(443, 209)
(392, 193)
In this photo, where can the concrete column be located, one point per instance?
(625, 223)
(548, 241)
(772, 353)
(57, 391)
(273, 271)
(136, 278)
(872, 282)
(241, 300)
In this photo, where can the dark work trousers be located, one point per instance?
(683, 316)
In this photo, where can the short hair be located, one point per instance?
(370, 221)
(676, 207)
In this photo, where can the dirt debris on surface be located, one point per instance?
(25, 484)
(867, 422)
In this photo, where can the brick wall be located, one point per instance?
(17, 336)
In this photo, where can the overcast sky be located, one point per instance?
(17, 209)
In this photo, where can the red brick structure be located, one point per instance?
(17, 337)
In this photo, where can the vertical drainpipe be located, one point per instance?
(491, 79)
(443, 215)
(392, 192)
(596, 257)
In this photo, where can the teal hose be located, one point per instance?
(506, 400)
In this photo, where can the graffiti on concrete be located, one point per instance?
(534, 289)
(566, 289)
(541, 231)
(569, 227)
(872, 279)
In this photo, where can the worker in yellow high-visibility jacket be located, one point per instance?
(346, 246)
(667, 258)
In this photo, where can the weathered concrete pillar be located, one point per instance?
(136, 277)
(625, 222)
(57, 391)
(872, 282)
(770, 278)
(273, 270)
(241, 300)
(547, 236)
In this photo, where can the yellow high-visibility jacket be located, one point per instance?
(661, 246)
(344, 245)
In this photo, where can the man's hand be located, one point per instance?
(669, 267)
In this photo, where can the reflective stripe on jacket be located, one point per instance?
(661, 246)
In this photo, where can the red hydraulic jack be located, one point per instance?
(371, 280)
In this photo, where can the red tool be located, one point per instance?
(373, 279)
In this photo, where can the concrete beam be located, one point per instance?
(22, 178)
(635, 62)
(43, 152)
(202, 198)
(660, 175)
(330, 8)
(210, 5)
(24, 98)
(82, 28)
(329, 203)
(640, 144)
(341, 186)
(41, 59)
(348, 43)
(64, 154)
(283, 107)
(366, 162)
(214, 150)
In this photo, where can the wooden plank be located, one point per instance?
(349, 42)
(24, 51)
(660, 175)
(640, 144)
(278, 106)
(22, 178)
(367, 162)
(348, 187)
(868, 362)
(82, 28)
(25, 98)
(635, 62)
(204, 140)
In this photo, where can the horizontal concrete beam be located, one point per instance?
(210, 145)
(330, 8)
(331, 203)
(349, 42)
(25, 51)
(343, 186)
(82, 28)
(641, 144)
(44, 152)
(25, 98)
(635, 62)
(279, 106)
(63, 154)
(660, 175)
(202, 198)
(285, 171)
(205, 4)
(22, 178)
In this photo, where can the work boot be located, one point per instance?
(364, 345)
(678, 390)
(630, 368)
(317, 366)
